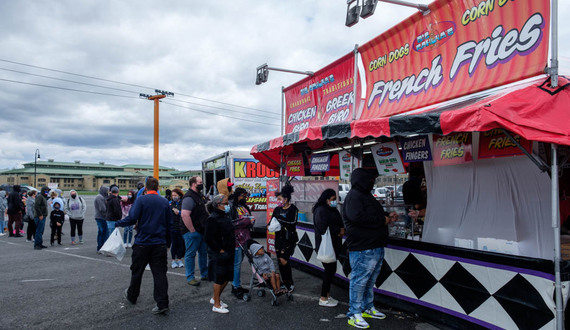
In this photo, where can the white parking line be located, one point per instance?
(40, 280)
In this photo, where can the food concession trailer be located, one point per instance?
(490, 249)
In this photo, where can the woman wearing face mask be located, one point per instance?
(242, 221)
(126, 205)
(221, 241)
(326, 216)
(286, 238)
(177, 248)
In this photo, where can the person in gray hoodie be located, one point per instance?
(100, 214)
(75, 209)
(3, 207)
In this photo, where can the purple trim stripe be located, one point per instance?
(476, 262)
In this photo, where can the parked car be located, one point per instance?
(343, 189)
(8, 188)
(380, 193)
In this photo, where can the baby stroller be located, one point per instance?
(262, 285)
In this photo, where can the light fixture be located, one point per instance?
(368, 7)
(262, 74)
(352, 12)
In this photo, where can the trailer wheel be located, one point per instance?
(261, 293)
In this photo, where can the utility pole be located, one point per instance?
(156, 98)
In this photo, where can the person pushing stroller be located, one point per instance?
(265, 268)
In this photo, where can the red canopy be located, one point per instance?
(534, 110)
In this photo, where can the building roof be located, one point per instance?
(46, 163)
(67, 172)
(148, 167)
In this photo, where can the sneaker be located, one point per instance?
(357, 321)
(22, 232)
(223, 304)
(194, 282)
(29, 240)
(80, 241)
(130, 245)
(291, 288)
(18, 235)
(204, 278)
(221, 310)
(157, 310)
(126, 295)
(327, 303)
(174, 264)
(43, 246)
(332, 300)
(37, 247)
(374, 314)
(73, 243)
(2, 234)
(180, 264)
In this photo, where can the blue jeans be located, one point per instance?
(38, 236)
(194, 242)
(110, 228)
(238, 258)
(128, 234)
(101, 232)
(366, 267)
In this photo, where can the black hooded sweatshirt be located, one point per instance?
(363, 215)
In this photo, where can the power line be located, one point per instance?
(216, 114)
(210, 106)
(127, 84)
(69, 89)
(124, 90)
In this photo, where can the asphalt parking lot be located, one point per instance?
(73, 286)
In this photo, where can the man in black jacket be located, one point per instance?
(15, 207)
(114, 212)
(366, 236)
(40, 216)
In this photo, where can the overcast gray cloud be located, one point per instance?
(205, 49)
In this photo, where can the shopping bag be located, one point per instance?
(114, 245)
(274, 225)
(326, 252)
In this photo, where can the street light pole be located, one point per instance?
(160, 94)
(36, 157)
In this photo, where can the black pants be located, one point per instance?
(55, 230)
(156, 257)
(284, 250)
(330, 270)
(31, 229)
(76, 223)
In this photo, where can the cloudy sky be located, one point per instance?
(206, 52)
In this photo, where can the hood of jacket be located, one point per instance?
(103, 191)
(223, 188)
(362, 180)
(16, 188)
(71, 192)
(44, 191)
(2, 194)
(254, 248)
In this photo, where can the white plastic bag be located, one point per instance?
(114, 245)
(274, 225)
(326, 252)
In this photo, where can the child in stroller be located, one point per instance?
(265, 268)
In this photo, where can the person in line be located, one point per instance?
(287, 238)
(114, 212)
(326, 216)
(100, 214)
(24, 197)
(15, 207)
(56, 217)
(140, 189)
(366, 236)
(225, 187)
(242, 221)
(177, 249)
(126, 205)
(75, 208)
(3, 208)
(194, 217)
(53, 197)
(265, 268)
(220, 239)
(40, 214)
(168, 194)
(30, 218)
(152, 215)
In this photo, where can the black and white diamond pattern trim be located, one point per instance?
(481, 293)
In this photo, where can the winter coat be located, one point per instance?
(363, 215)
(326, 217)
(75, 207)
(220, 234)
(114, 212)
(3, 204)
(15, 204)
(41, 206)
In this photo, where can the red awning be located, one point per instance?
(534, 110)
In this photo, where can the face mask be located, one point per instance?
(56, 207)
(200, 187)
(334, 203)
(175, 198)
(73, 196)
(129, 197)
(280, 204)
(227, 208)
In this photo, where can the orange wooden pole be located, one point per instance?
(156, 99)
